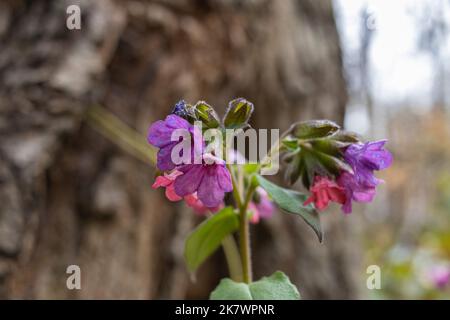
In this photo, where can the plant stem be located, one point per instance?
(236, 193)
(233, 258)
(244, 237)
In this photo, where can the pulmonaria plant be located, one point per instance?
(230, 192)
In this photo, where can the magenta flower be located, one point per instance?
(440, 276)
(197, 205)
(159, 135)
(262, 207)
(211, 180)
(354, 191)
(364, 159)
(167, 181)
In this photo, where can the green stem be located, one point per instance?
(233, 258)
(236, 193)
(244, 237)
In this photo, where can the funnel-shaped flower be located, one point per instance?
(160, 136)
(261, 206)
(211, 180)
(364, 158)
(323, 191)
(167, 181)
(197, 205)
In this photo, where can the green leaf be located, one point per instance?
(276, 287)
(313, 129)
(206, 114)
(230, 290)
(208, 236)
(238, 114)
(292, 202)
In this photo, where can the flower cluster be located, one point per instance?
(203, 185)
(334, 165)
(357, 184)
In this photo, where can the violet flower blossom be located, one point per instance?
(160, 134)
(211, 180)
(364, 159)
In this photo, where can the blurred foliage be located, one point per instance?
(413, 239)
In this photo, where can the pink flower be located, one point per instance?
(167, 181)
(261, 207)
(323, 191)
(197, 205)
(440, 276)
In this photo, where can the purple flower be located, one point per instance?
(261, 207)
(159, 135)
(440, 276)
(265, 206)
(210, 180)
(364, 159)
(354, 191)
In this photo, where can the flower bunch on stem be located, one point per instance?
(334, 165)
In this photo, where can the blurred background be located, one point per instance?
(76, 173)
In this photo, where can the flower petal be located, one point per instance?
(158, 134)
(209, 191)
(189, 182)
(164, 159)
(161, 181)
(171, 195)
(224, 178)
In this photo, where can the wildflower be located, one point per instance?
(364, 159)
(210, 180)
(440, 276)
(167, 181)
(354, 191)
(197, 205)
(160, 133)
(323, 191)
(261, 207)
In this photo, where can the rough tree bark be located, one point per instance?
(70, 196)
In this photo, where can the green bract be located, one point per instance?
(315, 148)
(206, 114)
(238, 114)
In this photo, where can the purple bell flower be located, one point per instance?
(364, 159)
(159, 135)
(211, 180)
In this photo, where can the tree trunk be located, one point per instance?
(72, 197)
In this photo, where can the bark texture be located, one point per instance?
(70, 196)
